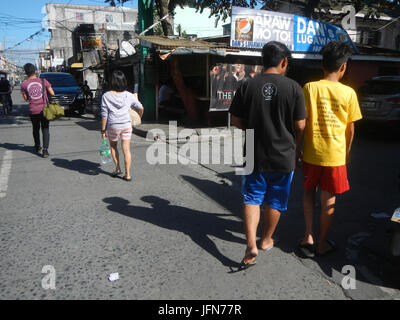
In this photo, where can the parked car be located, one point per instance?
(379, 98)
(67, 92)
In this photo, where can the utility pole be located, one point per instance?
(146, 91)
(5, 46)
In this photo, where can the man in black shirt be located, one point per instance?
(273, 106)
(5, 89)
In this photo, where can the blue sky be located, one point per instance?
(31, 10)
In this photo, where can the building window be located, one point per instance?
(79, 16)
(109, 18)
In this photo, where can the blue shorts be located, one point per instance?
(272, 188)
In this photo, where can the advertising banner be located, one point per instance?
(252, 28)
(225, 79)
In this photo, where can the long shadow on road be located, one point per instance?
(198, 225)
(291, 226)
(79, 165)
(18, 146)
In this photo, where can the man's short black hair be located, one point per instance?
(118, 81)
(273, 52)
(29, 69)
(334, 54)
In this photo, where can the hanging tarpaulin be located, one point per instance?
(252, 28)
(225, 79)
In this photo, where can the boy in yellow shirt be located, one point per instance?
(332, 108)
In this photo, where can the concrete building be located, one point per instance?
(9, 67)
(63, 19)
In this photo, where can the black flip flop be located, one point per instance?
(247, 265)
(307, 250)
(332, 248)
(126, 179)
(115, 174)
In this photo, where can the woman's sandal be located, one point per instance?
(127, 179)
(115, 174)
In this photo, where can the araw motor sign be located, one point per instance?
(253, 28)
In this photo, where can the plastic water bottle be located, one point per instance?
(105, 153)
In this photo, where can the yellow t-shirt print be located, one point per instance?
(330, 107)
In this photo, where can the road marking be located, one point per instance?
(5, 172)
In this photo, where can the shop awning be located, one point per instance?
(159, 42)
(167, 46)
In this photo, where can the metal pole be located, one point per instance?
(229, 121)
(5, 47)
(207, 75)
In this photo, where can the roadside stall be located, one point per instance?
(207, 74)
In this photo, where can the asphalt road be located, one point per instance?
(175, 231)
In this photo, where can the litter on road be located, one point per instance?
(113, 276)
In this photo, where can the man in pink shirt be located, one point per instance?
(33, 91)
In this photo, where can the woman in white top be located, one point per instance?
(116, 121)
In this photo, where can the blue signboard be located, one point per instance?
(252, 28)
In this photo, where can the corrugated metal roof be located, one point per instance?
(164, 42)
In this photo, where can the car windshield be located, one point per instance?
(60, 80)
(380, 87)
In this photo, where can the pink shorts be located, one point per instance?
(114, 134)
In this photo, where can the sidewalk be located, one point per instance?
(225, 146)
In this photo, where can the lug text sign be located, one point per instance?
(252, 28)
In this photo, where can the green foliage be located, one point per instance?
(319, 9)
(221, 9)
(315, 9)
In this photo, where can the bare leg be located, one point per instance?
(115, 154)
(327, 210)
(308, 206)
(251, 217)
(126, 148)
(271, 219)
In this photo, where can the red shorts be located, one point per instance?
(330, 179)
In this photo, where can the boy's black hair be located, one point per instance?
(334, 54)
(273, 52)
(118, 81)
(29, 69)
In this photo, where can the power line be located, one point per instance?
(29, 38)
